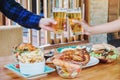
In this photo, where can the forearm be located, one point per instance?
(17, 13)
(106, 28)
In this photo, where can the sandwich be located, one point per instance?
(106, 53)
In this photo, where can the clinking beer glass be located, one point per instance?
(59, 14)
(75, 14)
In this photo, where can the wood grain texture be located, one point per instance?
(98, 72)
(114, 13)
(1, 19)
(10, 36)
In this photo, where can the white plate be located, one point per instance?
(93, 61)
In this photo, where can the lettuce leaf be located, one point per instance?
(94, 54)
(109, 56)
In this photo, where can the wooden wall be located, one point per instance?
(87, 15)
(113, 14)
(113, 10)
(119, 8)
(1, 19)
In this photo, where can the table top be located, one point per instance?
(98, 72)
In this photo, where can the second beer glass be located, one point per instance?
(75, 14)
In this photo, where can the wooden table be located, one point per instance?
(98, 72)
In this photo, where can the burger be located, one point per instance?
(106, 53)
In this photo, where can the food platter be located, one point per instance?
(93, 60)
(31, 61)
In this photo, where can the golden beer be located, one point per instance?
(74, 15)
(60, 17)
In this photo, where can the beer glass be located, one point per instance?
(75, 14)
(59, 14)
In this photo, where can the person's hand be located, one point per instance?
(86, 27)
(47, 23)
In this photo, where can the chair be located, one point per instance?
(10, 36)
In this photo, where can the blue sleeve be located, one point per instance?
(17, 13)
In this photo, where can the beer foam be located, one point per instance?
(59, 10)
(76, 10)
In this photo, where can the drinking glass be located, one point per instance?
(75, 14)
(59, 14)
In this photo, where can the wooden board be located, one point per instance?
(1, 19)
(113, 13)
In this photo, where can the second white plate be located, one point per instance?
(93, 61)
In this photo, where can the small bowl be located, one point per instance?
(32, 68)
(48, 55)
(68, 75)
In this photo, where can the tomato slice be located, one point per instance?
(78, 70)
(17, 66)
